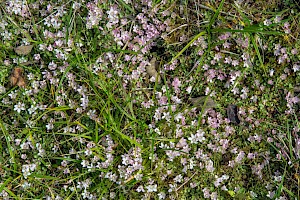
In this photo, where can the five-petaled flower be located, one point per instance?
(19, 107)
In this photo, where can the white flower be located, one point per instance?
(156, 130)
(88, 152)
(140, 189)
(253, 194)
(49, 126)
(198, 137)
(2, 89)
(271, 194)
(12, 95)
(151, 188)
(26, 185)
(19, 107)
(176, 99)
(296, 67)
(209, 165)
(272, 72)
(189, 89)
(267, 22)
(193, 139)
(206, 193)
(84, 163)
(161, 195)
(178, 117)
(178, 178)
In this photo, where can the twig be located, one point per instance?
(185, 182)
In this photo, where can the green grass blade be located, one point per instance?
(187, 46)
(212, 21)
(10, 148)
(257, 52)
(10, 193)
(126, 6)
(4, 184)
(280, 186)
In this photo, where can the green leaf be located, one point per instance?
(231, 193)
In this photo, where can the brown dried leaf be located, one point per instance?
(21, 82)
(200, 101)
(13, 81)
(151, 70)
(23, 50)
(17, 72)
(17, 78)
(232, 114)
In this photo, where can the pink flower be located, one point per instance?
(218, 56)
(235, 62)
(228, 60)
(225, 36)
(163, 100)
(226, 45)
(270, 82)
(277, 19)
(294, 51)
(176, 83)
